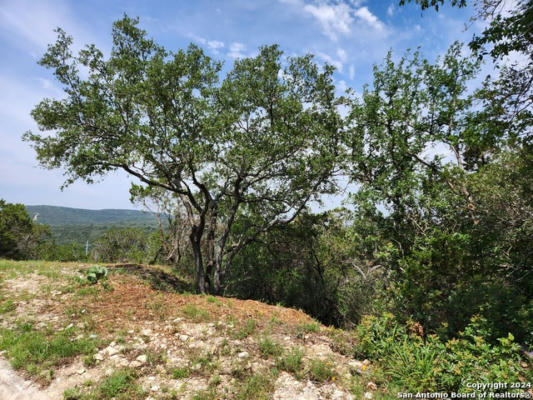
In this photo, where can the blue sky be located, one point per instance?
(352, 35)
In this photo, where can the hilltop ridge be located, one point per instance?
(56, 215)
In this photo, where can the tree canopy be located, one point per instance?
(260, 142)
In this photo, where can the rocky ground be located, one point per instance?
(140, 336)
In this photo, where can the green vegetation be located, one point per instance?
(247, 328)
(20, 237)
(126, 245)
(257, 386)
(308, 328)
(268, 347)
(53, 215)
(195, 313)
(121, 385)
(96, 273)
(7, 306)
(36, 351)
(180, 373)
(429, 261)
(412, 363)
(291, 361)
(321, 371)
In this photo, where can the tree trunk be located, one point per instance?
(211, 247)
(218, 277)
(198, 262)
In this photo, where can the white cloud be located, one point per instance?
(335, 19)
(364, 14)
(236, 50)
(215, 44)
(341, 53)
(198, 39)
(390, 10)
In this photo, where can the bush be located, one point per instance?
(136, 245)
(20, 237)
(96, 273)
(414, 363)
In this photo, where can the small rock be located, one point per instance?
(93, 336)
(112, 351)
(355, 365)
(98, 357)
(135, 364)
(142, 358)
(183, 338)
(131, 331)
(146, 332)
(371, 386)
(123, 362)
(155, 388)
(243, 354)
(368, 395)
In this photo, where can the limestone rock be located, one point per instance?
(142, 359)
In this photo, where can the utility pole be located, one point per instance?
(86, 248)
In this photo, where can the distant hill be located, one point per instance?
(53, 215)
(77, 225)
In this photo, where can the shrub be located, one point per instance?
(413, 363)
(96, 273)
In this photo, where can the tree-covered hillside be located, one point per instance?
(77, 226)
(53, 215)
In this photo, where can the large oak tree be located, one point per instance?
(256, 145)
